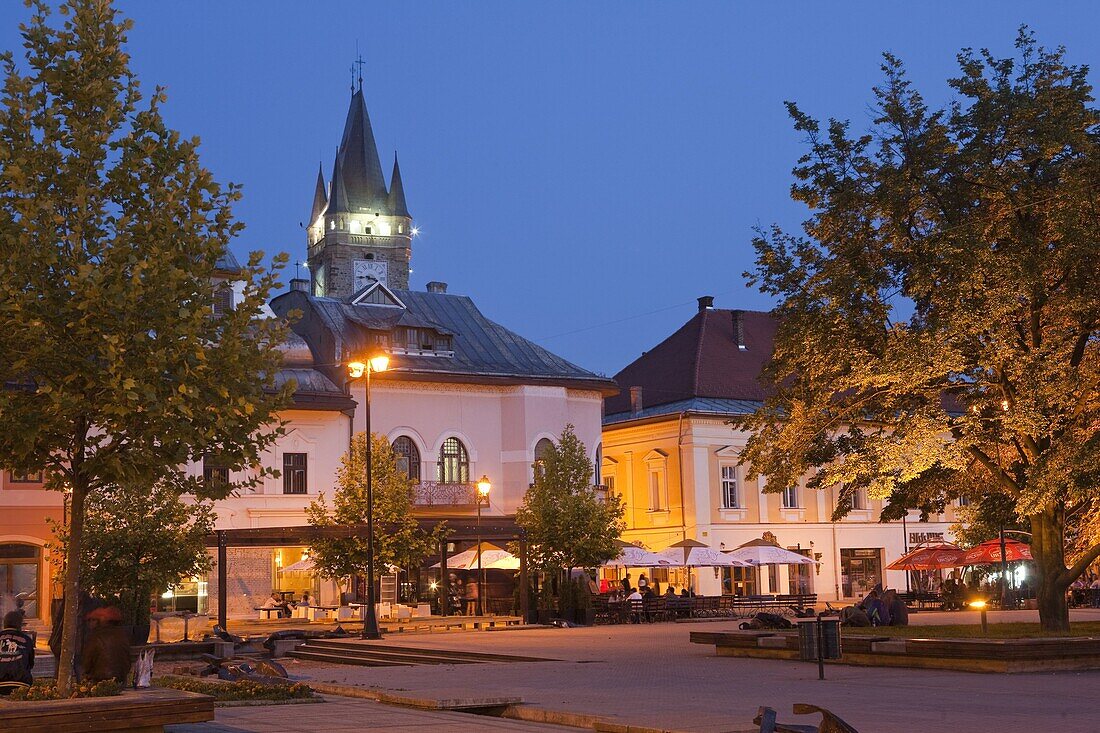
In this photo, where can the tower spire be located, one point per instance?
(320, 197)
(396, 200)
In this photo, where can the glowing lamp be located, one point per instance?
(484, 486)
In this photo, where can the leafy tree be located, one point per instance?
(115, 371)
(939, 317)
(398, 538)
(566, 522)
(138, 541)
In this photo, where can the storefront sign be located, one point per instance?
(917, 538)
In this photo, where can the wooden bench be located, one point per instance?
(143, 711)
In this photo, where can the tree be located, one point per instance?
(398, 538)
(138, 541)
(116, 371)
(567, 524)
(939, 317)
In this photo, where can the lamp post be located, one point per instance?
(484, 486)
(377, 362)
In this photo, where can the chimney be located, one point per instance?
(300, 284)
(437, 287)
(705, 302)
(635, 401)
(739, 329)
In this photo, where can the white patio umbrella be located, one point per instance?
(632, 556)
(302, 566)
(762, 552)
(493, 557)
(695, 554)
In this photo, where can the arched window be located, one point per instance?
(597, 466)
(454, 463)
(542, 449)
(408, 457)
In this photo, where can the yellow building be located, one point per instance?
(669, 450)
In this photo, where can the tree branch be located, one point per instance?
(1003, 478)
(1074, 572)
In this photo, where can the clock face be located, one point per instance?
(367, 271)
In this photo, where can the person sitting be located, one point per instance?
(107, 647)
(648, 593)
(670, 591)
(16, 654)
(635, 601)
(685, 593)
(275, 601)
(306, 600)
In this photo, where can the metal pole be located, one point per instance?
(820, 649)
(1004, 570)
(524, 599)
(905, 545)
(223, 580)
(370, 620)
(444, 581)
(480, 570)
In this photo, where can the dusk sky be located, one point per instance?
(584, 171)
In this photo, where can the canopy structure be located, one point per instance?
(930, 557)
(694, 554)
(762, 552)
(304, 565)
(632, 556)
(989, 553)
(492, 557)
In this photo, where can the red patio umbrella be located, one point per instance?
(989, 552)
(930, 557)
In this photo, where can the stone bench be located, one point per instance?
(141, 711)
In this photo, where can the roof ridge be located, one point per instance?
(699, 351)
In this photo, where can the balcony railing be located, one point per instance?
(437, 493)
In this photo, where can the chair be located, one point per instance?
(404, 613)
(423, 610)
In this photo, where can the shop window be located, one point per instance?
(19, 570)
(800, 577)
(860, 571)
(408, 457)
(294, 473)
(453, 466)
(740, 581)
(730, 499)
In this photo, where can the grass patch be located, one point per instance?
(47, 690)
(239, 690)
(973, 631)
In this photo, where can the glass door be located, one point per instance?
(19, 576)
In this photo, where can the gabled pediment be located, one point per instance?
(377, 294)
(655, 455)
(729, 451)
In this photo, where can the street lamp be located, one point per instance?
(484, 486)
(377, 362)
(980, 606)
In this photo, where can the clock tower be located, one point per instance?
(359, 229)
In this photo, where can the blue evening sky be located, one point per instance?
(583, 170)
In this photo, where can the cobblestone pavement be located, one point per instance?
(345, 715)
(651, 675)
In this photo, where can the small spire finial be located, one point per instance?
(359, 62)
(352, 70)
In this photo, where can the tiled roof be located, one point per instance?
(482, 348)
(698, 405)
(701, 359)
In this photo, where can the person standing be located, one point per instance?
(643, 582)
(626, 584)
(472, 592)
(16, 654)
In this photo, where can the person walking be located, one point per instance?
(16, 654)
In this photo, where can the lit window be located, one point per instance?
(294, 473)
(454, 463)
(656, 490)
(729, 488)
(214, 474)
(25, 478)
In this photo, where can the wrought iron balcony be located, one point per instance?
(438, 493)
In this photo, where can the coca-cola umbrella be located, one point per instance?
(989, 553)
(930, 557)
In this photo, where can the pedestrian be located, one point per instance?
(16, 654)
(107, 648)
(472, 593)
(626, 584)
(643, 582)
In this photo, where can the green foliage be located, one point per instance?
(566, 522)
(116, 371)
(138, 541)
(398, 539)
(939, 318)
(239, 690)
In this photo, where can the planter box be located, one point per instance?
(147, 711)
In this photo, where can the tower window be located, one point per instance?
(370, 255)
(366, 230)
(223, 300)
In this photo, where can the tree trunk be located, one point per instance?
(1049, 550)
(71, 616)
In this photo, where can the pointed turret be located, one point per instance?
(396, 201)
(320, 197)
(337, 196)
(363, 181)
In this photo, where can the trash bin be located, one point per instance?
(808, 631)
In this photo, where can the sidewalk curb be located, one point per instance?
(513, 709)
